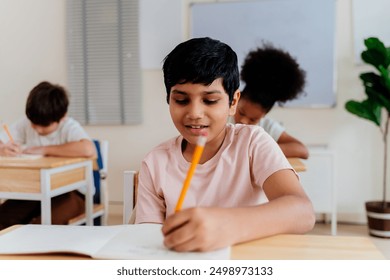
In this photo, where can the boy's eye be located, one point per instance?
(181, 101)
(210, 101)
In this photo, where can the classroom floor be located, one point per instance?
(321, 229)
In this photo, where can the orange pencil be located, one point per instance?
(195, 160)
(8, 133)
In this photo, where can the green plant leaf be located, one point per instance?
(378, 97)
(370, 78)
(376, 89)
(367, 109)
(388, 53)
(385, 76)
(376, 53)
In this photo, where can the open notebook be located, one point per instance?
(22, 157)
(141, 241)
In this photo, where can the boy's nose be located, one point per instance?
(195, 112)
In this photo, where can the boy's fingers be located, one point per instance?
(174, 221)
(186, 245)
(16, 148)
(180, 238)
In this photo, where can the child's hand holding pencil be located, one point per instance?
(10, 148)
(197, 228)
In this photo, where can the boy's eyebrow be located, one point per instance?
(213, 91)
(175, 91)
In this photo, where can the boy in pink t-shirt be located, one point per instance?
(243, 188)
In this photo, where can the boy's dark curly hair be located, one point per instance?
(271, 75)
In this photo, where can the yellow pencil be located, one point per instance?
(195, 160)
(8, 133)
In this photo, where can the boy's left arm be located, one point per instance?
(203, 229)
(82, 148)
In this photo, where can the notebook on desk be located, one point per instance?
(22, 157)
(141, 241)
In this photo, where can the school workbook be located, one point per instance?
(22, 157)
(140, 241)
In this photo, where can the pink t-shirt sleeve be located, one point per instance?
(265, 157)
(150, 203)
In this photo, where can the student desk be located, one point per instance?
(278, 247)
(308, 247)
(43, 178)
(297, 164)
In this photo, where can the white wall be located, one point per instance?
(32, 48)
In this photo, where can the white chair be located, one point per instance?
(103, 180)
(99, 209)
(130, 187)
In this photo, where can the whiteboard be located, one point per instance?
(305, 28)
(161, 29)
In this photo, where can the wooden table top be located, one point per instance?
(308, 247)
(278, 247)
(39, 163)
(297, 164)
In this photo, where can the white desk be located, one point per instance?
(43, 178)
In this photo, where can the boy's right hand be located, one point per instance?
(10, 149)
(199, 229)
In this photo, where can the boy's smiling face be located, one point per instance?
(197, 109)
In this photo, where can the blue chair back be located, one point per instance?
(96, 173)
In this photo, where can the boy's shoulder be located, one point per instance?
(70, 128)
(244, 129)
(70, 123)
(246, 135)
(22, 121)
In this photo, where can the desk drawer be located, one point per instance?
(20, 180)
(67, 177)
(28, 180)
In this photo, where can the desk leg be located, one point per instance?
(45, 197)
(89, 193)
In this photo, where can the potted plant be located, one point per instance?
(376, 108)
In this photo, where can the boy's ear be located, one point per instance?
(233, 105)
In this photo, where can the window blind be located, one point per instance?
(104, 75)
